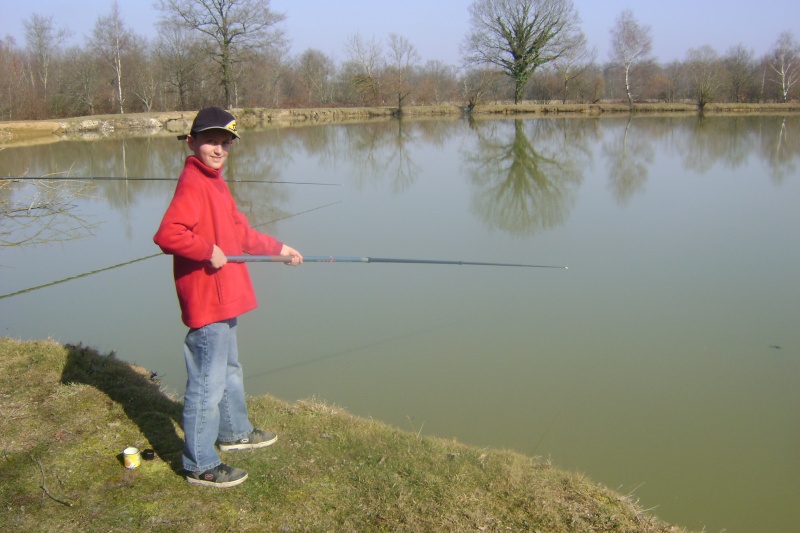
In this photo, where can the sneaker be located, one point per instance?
(258, 438)
(222, 476)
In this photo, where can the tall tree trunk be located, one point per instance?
(628, 86)
(119, 83)
(227, 75)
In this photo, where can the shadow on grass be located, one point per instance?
(140, 396)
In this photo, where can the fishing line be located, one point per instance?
(85, 274)
(354, 349)
(296, 214)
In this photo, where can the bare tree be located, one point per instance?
(238, 28)
(43, 40)
(178, 53)
(366, 57)
(630, 43)
(740, 73)
(594, 85)
(437, 82)
(144, 80)
(784, 60)
(477, 84)
(403, 57)
(315, 70)
(519, 36)
(110, 39)
(260, 81)
(81, 81)
(12, 90)
(575, 62)
(703, 67)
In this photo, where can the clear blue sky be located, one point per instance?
(436, 27)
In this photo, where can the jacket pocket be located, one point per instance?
(227, 283)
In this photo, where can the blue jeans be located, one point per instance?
(214, 405)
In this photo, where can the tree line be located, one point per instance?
(235, 53)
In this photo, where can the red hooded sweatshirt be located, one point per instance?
(202, 213)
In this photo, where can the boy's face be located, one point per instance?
(211, 147)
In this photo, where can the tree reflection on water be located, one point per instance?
(629, 158)
(526, 173)
(42, 211)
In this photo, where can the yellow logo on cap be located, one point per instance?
(231, 126)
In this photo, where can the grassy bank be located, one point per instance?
(178, 122)
(67, 412)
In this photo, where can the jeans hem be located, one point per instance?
(195, 469)
(236, 437)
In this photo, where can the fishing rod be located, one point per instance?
(354, 259)
(31, 289)
(110, 178)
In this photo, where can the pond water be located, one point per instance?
(663, 363)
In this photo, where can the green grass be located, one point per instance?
(67, 412)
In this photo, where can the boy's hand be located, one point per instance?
(218, 258)
(297, 258)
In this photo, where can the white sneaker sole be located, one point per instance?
(228, 446)
(219, 485)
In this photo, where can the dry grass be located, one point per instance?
(67, 412)
(170, 122)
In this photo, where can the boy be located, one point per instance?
(201, 226)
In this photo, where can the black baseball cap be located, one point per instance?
(213, 118)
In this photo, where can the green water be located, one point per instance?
(663, 363)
